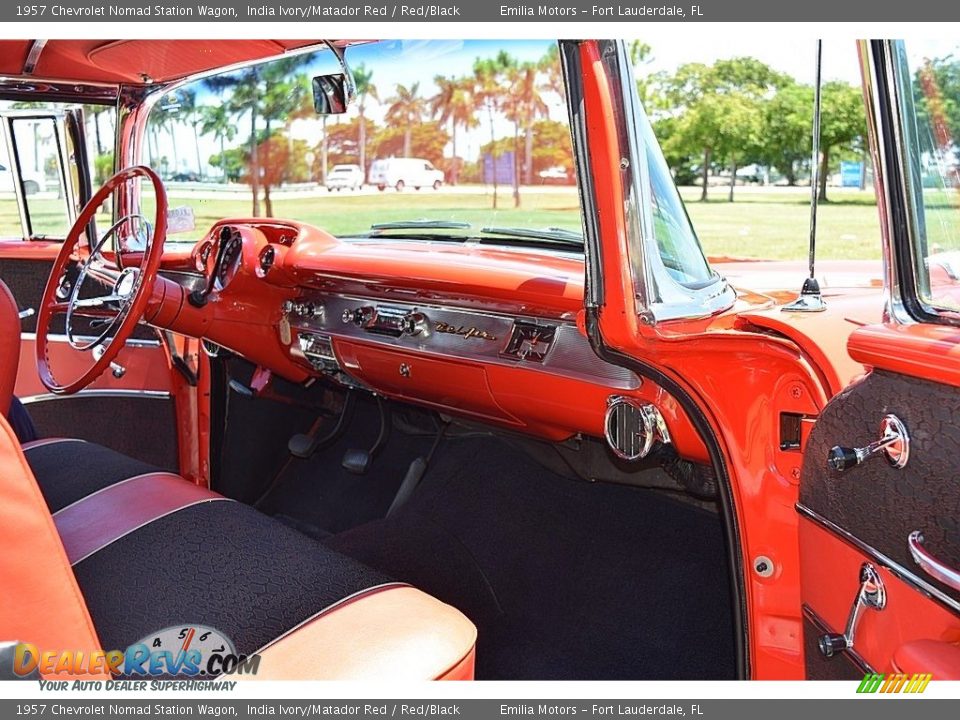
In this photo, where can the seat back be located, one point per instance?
(40, 601)
(9, 347)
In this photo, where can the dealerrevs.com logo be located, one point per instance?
(191, 651)
(894, 683)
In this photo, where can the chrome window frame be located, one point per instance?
(897, 202)
(59, 119)
(659, 296)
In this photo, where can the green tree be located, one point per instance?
(489, 76)
(216, 120)
(455, 104)
(525, 106)
(718, 110)
(937, 100)
(641, 54)
(552, 70)
(407, 108)
(193, 117)
(268, 93)
(843, 125)
(426, 140)
(363, 78)
(233, 163)
(788, 118)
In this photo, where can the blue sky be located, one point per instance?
(409, 61)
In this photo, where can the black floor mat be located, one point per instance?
(319, 493)
(564, 579)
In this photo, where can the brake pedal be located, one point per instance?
(304, 445)
(358, 462)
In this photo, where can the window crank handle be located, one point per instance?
(894, 443)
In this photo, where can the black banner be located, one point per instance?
(95, 11)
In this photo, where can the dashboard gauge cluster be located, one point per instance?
(229, 255)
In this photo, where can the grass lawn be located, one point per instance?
(775, 223)
(762, 223)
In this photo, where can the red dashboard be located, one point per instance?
(482, 332)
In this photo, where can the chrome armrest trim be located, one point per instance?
(119, 393)
(898, 570)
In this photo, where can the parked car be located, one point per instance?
(560, 429)
(345, 177)
(401, 172)
(557, 175)
(185, 176)
(32, 182)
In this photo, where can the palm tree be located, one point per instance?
(362, 79)
(488, 77)
(549, 65)
(192, 116)
(266, 92)
(407, 109)
(216, 120)
(526, 106)
(454, 102)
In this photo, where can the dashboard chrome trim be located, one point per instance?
(570, 354)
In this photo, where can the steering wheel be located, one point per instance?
(119, 310)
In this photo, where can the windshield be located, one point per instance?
(451, 137)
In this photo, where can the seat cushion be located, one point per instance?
(151, 551)
(221, 564)
(69, 470)
(9, 347)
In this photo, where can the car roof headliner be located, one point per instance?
(133, 62)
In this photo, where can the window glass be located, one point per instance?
(930, 97)
(9, 213)
(676, 240)
(38, 148)
(468, 134)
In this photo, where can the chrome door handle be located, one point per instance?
(929, 564)
(24, 314)
(894, 442)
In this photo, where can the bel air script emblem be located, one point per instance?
(466, 332)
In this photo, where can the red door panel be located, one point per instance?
(865, 514)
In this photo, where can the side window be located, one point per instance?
(9, 212)
(929, 95)
(37, 146)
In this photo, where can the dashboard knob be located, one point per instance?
(308, 310)
(358, 316)
(415, 323)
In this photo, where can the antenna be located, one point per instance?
(810, 299)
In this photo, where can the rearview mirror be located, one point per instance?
(331, 94)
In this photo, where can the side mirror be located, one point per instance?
(331, 94)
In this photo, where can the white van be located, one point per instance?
(404, 172)
(32, 182)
